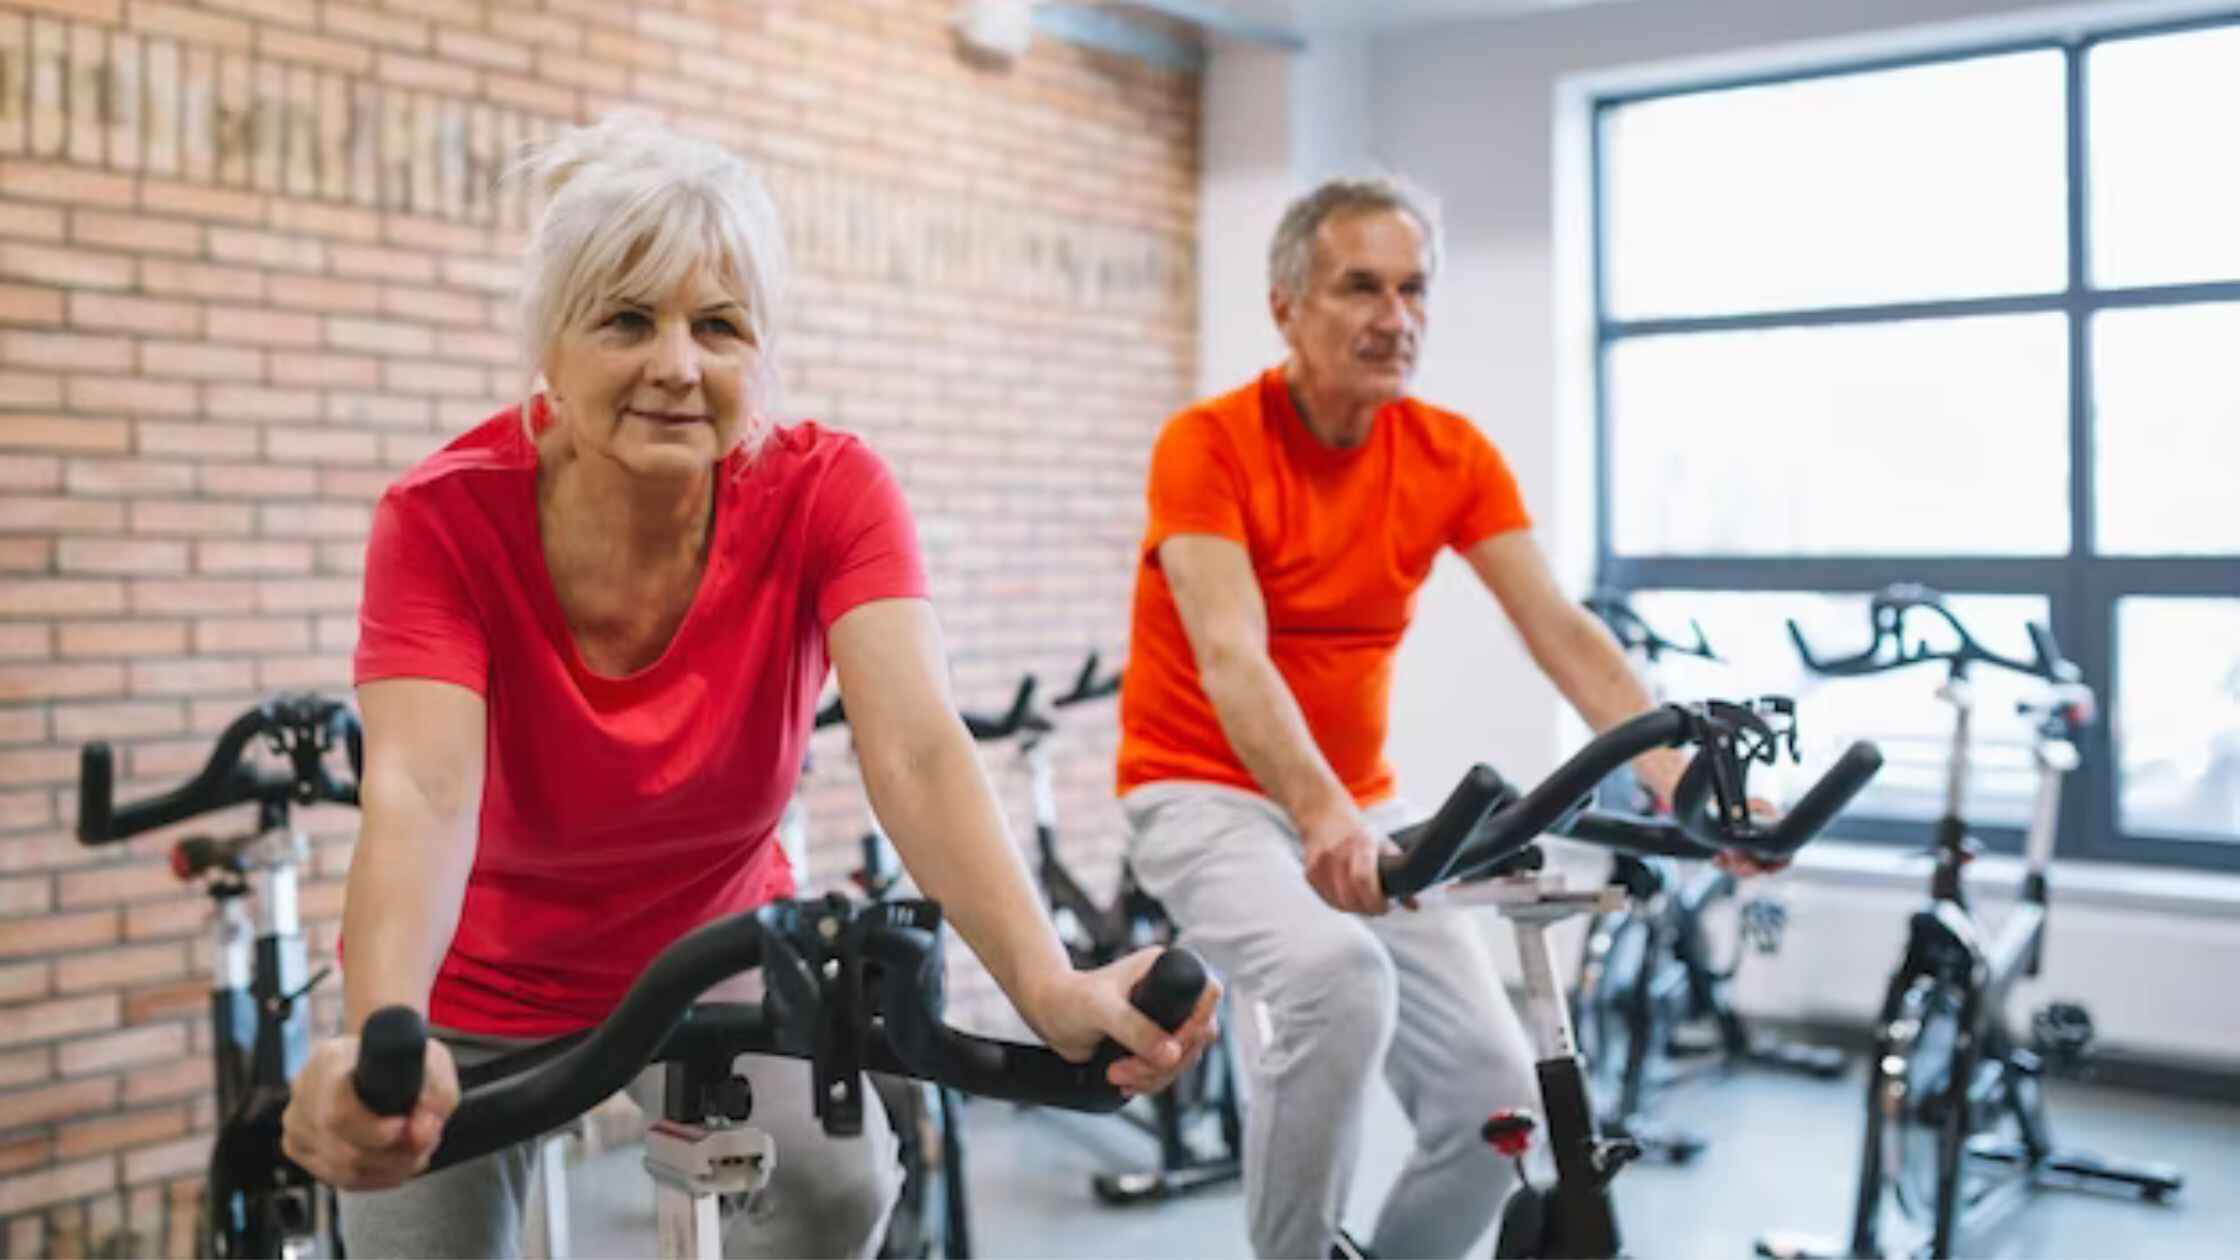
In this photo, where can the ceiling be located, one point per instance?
(1307, 16)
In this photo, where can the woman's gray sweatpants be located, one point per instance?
(827, 1196)
(1321, 997)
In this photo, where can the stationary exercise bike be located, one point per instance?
(1478, 850)
(1096, 933)
(254, 1204)
(1650, 995)
(1956, 1129)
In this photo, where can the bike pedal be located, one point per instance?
(2062, 1033)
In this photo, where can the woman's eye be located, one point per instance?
(627, 320)
(719, 327)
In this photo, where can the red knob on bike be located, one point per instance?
(1510, 1132)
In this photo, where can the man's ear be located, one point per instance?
(1280, 305)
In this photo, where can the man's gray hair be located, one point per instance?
(1291, 254)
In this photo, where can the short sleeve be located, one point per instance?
(416, 618)
(865, 534)
(1492, 504)
(1194, 485)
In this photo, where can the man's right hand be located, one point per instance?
(330, 1134)
(1341, 856)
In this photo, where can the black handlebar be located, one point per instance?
(301, 727)
(987, 729)
(1635, 634)
(849, 986)
(1087, 686)
(1889, 650)
(1484, 822)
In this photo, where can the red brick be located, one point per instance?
(267, 249)
(361, 22)
(27, 222)
(263, 326)
(26, 555)
(114, 968)
(257, 481)
(200, 360)
(132, 395)
(372, 263)
(320, 446)
(26, 809)
(113, 885)
(317, 218)
(233, 284)
(19, 1154)
(164, 920)
(30, 894)
(112, 312)
(23, 1068)
(338, 634)
(528, 94)
(32, 767)
(481, 50)
(290, 673)
(56, 682)
(364, 485)
(345, 371)
(59, 1017)
(60, 1183)
(117, 556)
(107, 11)
(191, 676)
(503, 349)
(38, 512)
(28, 389)
(251, 635)
(537, 28)
(80, 723)
(402, 450)
(76, 433)
(156, 595)
(36, 1106)
(30, 472)
(595, 72)
(136, 233)
(674, 91)
(419, 376)
(435, 234)
(129, 477)
(172, 1159)
(382, 409)
(27, 304)
(23, 642)
(307, 595)
(151, 1044)
(422, 74)
(110, 1133)
(250, 402)
(168, 761)
(323, 296)
(185, 1078)
(41, 851)
(192, 27)
(220, 440)
(379, 336)
(55, 932)
(182, 996)
(66, 351)
(334, 54)
(616, 47)
(285, 12)
(252, 557)
(438, 306)
(70, 184)
(316, 520)
(74, 268)
(201, 201)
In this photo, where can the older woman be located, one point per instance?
(593, 631)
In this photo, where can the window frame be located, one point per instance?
(2083, 587)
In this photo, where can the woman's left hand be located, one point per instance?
(1076, 1010)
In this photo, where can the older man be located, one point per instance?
(1291, 523)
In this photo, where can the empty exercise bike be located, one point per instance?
(1956, 1127)
(1652, 1001)
(255, 1204)
(1478, 849)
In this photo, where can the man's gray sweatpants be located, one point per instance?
(827, 1196)
(1319, 999)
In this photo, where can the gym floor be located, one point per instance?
(1784, 1157)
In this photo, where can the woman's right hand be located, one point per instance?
(330, 1134)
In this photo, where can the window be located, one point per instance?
(1974, 321)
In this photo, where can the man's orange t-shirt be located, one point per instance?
(1340, 541)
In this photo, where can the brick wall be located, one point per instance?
(252, 263)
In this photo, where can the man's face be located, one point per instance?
(1356, 329)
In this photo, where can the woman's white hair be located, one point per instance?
(627, 208)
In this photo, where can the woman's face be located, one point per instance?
(660, 389)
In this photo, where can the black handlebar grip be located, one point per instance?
(97, 796)
(392, 1052)
(1167, 994)
(1826, 799)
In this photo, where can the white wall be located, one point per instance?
(1489, 115)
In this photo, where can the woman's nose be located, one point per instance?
(676, 356)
